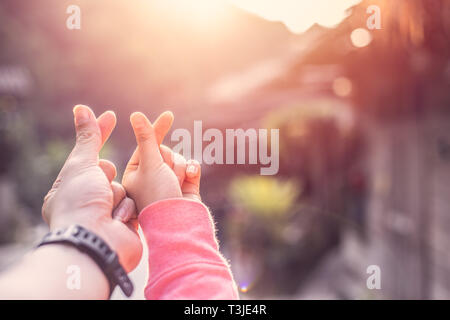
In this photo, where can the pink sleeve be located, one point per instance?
(184, 259)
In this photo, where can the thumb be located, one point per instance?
(88, 134)
(191, 184)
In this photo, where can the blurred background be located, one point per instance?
(363, 118)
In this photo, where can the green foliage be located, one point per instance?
(35, 167)
(264, 196)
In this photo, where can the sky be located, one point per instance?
(299, 15)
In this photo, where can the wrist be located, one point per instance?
(157, 196)
(88, 219)
(75, 275)
(93, 245)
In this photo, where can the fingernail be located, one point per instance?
(191, 169)
(121, 212)
(81, 114)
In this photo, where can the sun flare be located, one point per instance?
(197, 12)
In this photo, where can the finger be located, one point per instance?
(106, 122)
(167, 155)
(133, 163)
(191, 185)
(85, 152)
(125, 211)
(193, 171)
(108, 168)
(145, 137)
(179, 167)
(162, 125)
(119, 193)
(89, 140)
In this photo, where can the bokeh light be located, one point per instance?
(342, 87)
(244, 289)
(361, 37)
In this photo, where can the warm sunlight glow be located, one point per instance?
(299, 15)
(199, 12)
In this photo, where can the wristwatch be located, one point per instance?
(94, 246)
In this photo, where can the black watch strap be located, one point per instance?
(94, 246)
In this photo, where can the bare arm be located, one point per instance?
(51, 272)
(84, 193)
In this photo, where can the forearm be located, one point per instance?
(55, 271)
(184, 258)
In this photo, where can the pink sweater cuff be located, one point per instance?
(184, 257)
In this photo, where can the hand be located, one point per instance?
(84, 193)
(188, 172)
(147, 177)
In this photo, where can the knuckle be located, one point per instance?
(45, 211)
(144, 136)
(118, 190)
(84, 136)
(55, 186)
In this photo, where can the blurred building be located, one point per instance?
(400, 80)
(397, 82)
